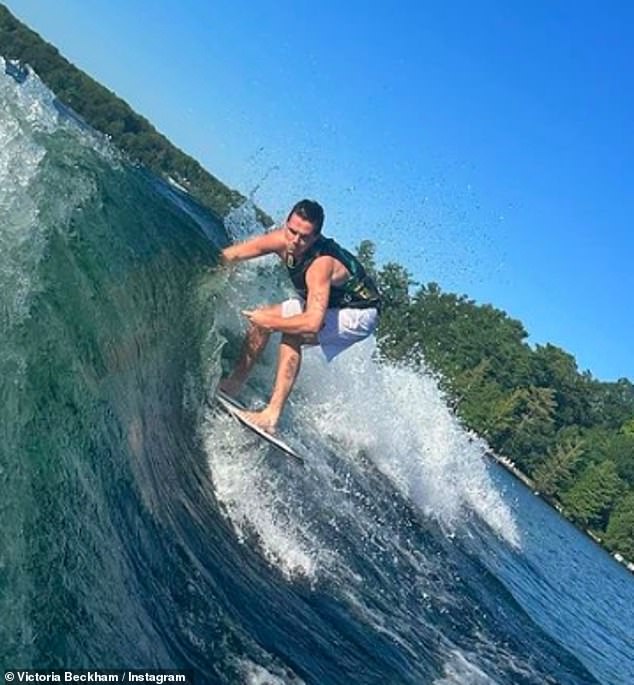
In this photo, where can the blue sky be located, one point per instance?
(487, 146)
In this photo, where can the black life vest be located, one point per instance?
(357, 292)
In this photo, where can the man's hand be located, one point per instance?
(311, 320)
(260, 317)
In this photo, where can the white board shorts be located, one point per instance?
(342, 327)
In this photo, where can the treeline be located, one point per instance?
(571, 433)
(111, 115)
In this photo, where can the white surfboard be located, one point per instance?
(233, 407)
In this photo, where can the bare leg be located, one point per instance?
(252, 348)
(288, 365)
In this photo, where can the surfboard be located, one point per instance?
(233, 407)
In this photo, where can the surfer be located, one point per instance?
(337, 304)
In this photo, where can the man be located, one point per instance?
(338, 304)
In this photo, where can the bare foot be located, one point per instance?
(265, 419)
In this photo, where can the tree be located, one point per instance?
(395, 281)
(591, 499)
(614, 403)
(628, 427)
(522, 425)
(366, 253)
(396, 335)
(556, 470)
(554, 368)
(620, 450)
(620, 531)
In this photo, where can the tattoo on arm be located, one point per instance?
(318, 301)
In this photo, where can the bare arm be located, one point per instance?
(310, 321)
(258, 246)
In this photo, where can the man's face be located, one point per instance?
(300, 235)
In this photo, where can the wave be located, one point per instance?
(141, 527)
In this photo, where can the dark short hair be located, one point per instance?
(309, 210)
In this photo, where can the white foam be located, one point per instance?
(258, 675)
(400, 419)
(24, 110)
(458, 670)
(256, 498)
(28, 119)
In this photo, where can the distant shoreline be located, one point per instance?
(509, 466)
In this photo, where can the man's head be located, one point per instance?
(303, 226)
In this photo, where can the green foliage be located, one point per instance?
(524, 425)
(366, 252)
(553, 368)
(478, 398)
(620, 531)
(628, 427)
(456, 335)
(606, 444)
(620, 450)
(614, 403)
(396, 328)
(555, 472)
(592, 498)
